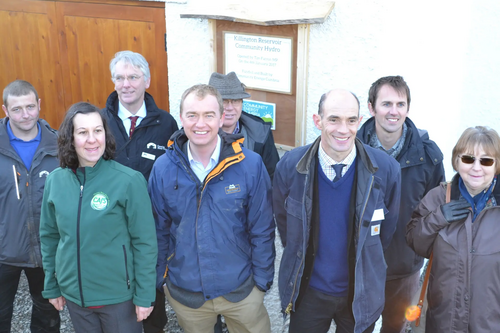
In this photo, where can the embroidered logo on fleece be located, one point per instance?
(232, 189)
(153, 145)
(43, 173)
(99, 201)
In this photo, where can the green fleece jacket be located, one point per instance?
(98, 237)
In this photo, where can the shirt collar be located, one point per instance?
(395, 149)
(123, 113)
(213, 158)
(326, 161)
(12, 137)
(237, 128)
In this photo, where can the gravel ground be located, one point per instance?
(22, 308)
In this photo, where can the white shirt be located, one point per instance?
(124, 115)
(199, 170)
(326, 162)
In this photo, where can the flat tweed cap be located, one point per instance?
(229, 86)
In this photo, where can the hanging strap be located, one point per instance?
(429, 265)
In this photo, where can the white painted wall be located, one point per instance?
(446, 50)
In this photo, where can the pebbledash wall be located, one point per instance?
(447, 51)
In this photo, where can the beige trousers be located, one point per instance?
(247, 316)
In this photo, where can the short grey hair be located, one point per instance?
(133, 58)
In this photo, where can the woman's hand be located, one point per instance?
(142, 313)
(58, 303)
(456, 210)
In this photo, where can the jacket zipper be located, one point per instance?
(126, 267)
(357, 236)
(200, 194)
(290, 305)
(78, 239)
(366, 202)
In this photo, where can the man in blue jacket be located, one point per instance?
(213, 210)
(421, 162)
(28, 153)
(336, 204)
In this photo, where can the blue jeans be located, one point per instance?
(44, 317)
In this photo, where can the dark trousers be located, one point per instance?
(158, 317)
(113, 318)
(399, 294)
(317, 310)
(44, 317)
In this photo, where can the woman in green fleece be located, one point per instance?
(97, 231)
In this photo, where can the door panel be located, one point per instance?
(30, 52)
(64, 48)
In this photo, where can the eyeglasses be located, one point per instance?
(130, 78)
(234, 102)
(484, 161)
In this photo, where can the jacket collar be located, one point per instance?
(413, 152)
(256, 128)
(48, 141)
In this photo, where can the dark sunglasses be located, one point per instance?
(484, 161)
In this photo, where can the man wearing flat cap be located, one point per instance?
(257, 133)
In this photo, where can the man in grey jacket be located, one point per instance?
(28, 153)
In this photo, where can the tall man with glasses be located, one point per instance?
(141, 131)
(391, 131)
(257, 133)
(28, 153)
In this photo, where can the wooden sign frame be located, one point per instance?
(290, 108)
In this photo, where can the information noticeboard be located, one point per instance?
(262, 62)
(285, 103)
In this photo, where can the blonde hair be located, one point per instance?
(482, 136)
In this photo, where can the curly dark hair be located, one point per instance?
(67, 153)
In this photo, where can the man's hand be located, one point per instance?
(58, 303)
(142, 313)
(456, 210)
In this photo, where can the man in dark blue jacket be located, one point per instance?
(141, 132)
(421, 162)
(336, 204)
(215, 227)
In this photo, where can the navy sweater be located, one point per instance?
(331, 268)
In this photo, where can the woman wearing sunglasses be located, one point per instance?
(464, 235)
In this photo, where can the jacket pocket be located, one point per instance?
(126, 266)
(293, 207)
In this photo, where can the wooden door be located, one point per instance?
(30, 51)
(64, 48)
